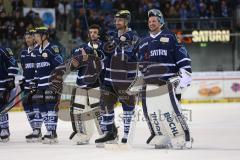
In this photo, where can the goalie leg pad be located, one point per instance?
(94, 101)
(164, 113)
(82, 130)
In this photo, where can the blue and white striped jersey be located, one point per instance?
(8, 66)
(166, 53)
(117, 63)
(27, 59)
(85, 79)
(47, 60)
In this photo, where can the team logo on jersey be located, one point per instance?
(164, 39)
(122, 38)
(44, 55)
(9, 51)
(55, 48)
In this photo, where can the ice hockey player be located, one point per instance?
(86, 82)
(121, 44)
(8, 71)
(163, 49)
(27, 59)
(48, 59)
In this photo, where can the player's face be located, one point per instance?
(120, 23)
(153, 24)
(38, 39)
(29, 40)
(94, 34)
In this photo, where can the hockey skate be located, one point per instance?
(4, 135)
(124, 139)
(50, 138)
(159, 141)
(109, 137)
(180, 143)
(150, 138)
(34, 137)
(80, 139)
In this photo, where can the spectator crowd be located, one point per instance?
(70, 15)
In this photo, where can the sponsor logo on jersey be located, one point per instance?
(158, 52)
(164, 39)
(43, 64)
(29, 65)
(171, 124)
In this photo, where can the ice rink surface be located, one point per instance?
(215, 129)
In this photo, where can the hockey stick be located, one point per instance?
(87, 25)
(8, 107)
(9, 102)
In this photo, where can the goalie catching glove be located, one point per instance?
(56, 80)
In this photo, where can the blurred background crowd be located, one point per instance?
(181, 15)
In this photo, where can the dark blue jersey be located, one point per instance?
(117, 61)
(84, 77)
(8, 66)
(27, 59)
(166, 53)
(47, 60)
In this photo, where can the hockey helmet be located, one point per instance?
(156, 13)
(30, 32)
(42, 30)
(124, 14)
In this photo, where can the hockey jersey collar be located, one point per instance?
(120, 34)
(155, 35)
(97, 43)
(40, 48)
(30, 49)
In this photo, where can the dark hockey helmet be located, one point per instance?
(156, 13)
(42, 30)
(124, 14)
(30, 32)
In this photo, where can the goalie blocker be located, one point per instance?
(84, 101)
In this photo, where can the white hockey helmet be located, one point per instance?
(156, 13)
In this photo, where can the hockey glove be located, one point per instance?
(182, 81)
(22, 83)
(56, 81)
(10, 84)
